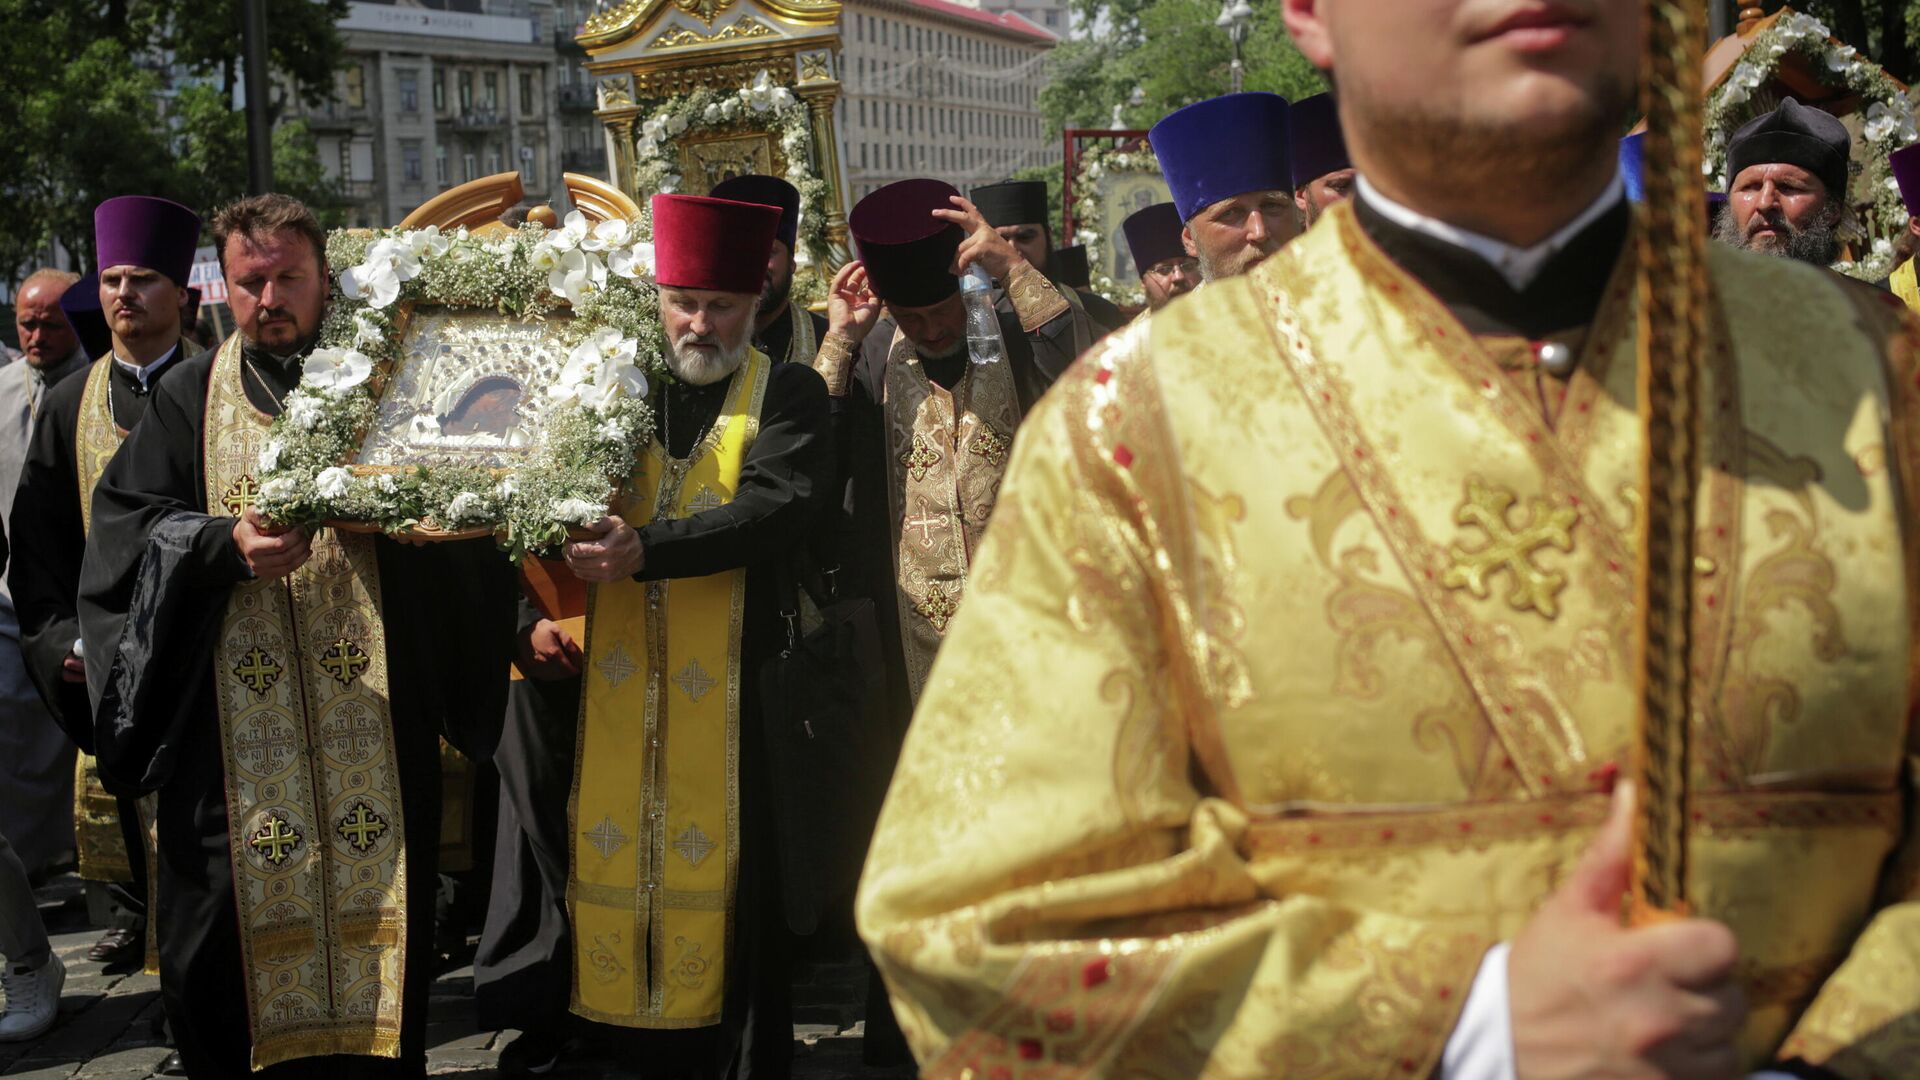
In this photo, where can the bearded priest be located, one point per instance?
(678, 931)
(284, 691)
(1276, 735)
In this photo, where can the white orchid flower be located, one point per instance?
(377, 284)
(608, 235)
(655, 128)
(270, 456)
(335, 371)
(465, 505)
(506, 488)
(711, 114)
(580, 276)
(386, 484)
(367, 332)
(670, 183)
(579, 511)
(304, 411)
(634, 262)
(333, 483)
(676, 124)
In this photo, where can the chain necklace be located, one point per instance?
(666, 423)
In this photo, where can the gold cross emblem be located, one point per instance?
(937, 608)
(694, 681)
(926, 522)
(920, 458)
(1510, 548)
(240, 494)
(258, 671)
(704, 500)
(693, 845)
(276, 840)
(989, 444)
(344, 661)
(362, 827)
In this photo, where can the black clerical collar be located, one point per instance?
(287, 366)
(1563, 291)
(142, 377)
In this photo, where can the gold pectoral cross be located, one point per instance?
(1509, 549)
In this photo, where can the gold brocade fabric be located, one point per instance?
(945, 455)
(655, 809)
(801, 344)
(1296, 664)
(316, 833)
(101, 850)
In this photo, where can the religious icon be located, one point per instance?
(1121, 193)
(469, 388)
(706, 162)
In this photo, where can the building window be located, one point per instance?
(356, 76)
(526, 93)
(440, 163)
(468, 168)
(411, 165)
(491, 97)
(466, 93)
(409, 91)
(493, 161)
(439, 92)
(528, 159)
(346, 159)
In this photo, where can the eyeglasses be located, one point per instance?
(1165, 267)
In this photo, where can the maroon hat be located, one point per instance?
(1906, 173)
(140, 230)
(768, 191)
(719, 244)
(907, 251)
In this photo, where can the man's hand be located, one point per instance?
(73, 669)
(614, 552)
(270, 551)
(852, 308)
(982, 245)
(548, 652)
(1591, 998)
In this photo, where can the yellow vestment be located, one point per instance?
(1295, 667)
(655, 812)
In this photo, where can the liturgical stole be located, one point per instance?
(655, 809)
(101, 845)
(946, 453)
(315, 836)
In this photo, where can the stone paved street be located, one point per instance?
(109, 1023)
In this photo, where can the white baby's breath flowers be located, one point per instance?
(279, 488)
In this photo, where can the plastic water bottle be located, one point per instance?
(983, 324)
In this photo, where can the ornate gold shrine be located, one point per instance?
(642, 52)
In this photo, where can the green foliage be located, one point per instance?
(88, 114)
(1172, 51)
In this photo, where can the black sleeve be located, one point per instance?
(154, 583)
(786, 476)
(449, 609)
(48, 539)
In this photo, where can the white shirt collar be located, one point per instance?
(1518, 265)
(143, 374)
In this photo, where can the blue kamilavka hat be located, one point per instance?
(1222, 147)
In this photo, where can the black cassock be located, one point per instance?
(154, 589)
(523, 971)
(48, 537)
(777, 338)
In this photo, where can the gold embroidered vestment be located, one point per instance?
(1295, 668)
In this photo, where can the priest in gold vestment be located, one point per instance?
(1275, 736)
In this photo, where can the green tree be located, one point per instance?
(210, 137)
(1171, 51)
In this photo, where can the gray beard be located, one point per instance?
(697, 367)
(957, 349)
(1818, 243)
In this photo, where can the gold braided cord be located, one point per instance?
(1673, 316)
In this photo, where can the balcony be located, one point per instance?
(479, 121)
(334, 116)
(356, 190)
(577, 98)
(584, 161)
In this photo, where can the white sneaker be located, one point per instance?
(33, 1000)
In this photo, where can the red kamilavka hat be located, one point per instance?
(719, 244)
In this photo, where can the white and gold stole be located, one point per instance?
(655, 807)
(316, 834)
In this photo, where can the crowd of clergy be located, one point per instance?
(1252, 749)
